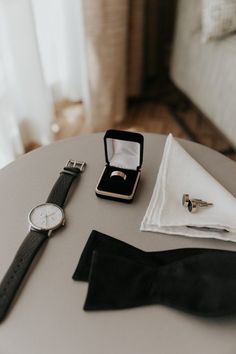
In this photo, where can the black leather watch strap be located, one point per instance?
(62, 186)
(35, 239)
(18, 269)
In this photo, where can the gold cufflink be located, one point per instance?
(193, 204)
(186, 200)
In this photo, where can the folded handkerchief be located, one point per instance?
(180, 174)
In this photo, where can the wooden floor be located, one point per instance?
(166, 114)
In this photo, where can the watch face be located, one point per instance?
(46, 217)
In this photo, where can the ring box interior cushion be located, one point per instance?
(123, 152)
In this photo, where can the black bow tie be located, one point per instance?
(195, 280)
(100, 242)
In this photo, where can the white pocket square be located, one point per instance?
(179, 173)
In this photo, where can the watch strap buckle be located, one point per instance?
(80, 165)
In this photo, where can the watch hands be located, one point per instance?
(51, 214)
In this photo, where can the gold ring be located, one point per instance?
(119, 174)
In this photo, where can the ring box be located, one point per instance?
(121, 174)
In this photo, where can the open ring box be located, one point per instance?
(124, 157)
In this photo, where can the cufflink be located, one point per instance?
(119, 174)
(185, 200)
(193, 204)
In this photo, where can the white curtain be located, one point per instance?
(24, 81)
(52, 50)
(57, 24)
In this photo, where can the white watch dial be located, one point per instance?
(46, 216)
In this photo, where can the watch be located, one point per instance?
(43, 219)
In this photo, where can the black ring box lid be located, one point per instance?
(125, 136)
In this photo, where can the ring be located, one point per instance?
(119, 174)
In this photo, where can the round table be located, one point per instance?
(47, 316)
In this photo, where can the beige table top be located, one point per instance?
(48, 317)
